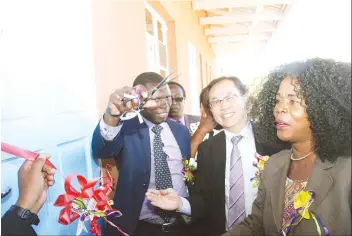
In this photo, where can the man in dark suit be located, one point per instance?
(148, 155)
(178, 95)
(34, 179)
(223, 193)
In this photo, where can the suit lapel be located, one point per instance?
(277, 192)
(258, 146)
(320, 182)
(185, 117)
(143, 132)
(179, 137)
(218, 154)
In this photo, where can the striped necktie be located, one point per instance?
(237, 210)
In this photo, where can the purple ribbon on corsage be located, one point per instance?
(259, 164)
(302, 202)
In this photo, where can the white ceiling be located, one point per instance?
(237, 25)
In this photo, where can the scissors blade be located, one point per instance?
(161, 84)
(174, 77)
(154, 90)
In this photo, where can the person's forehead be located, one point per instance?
(289, 85)
(163, 91)
(175, 89)
(222, 89)
(151, 85)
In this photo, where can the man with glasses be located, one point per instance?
(149, 155)
(222, 194)
(178, 95)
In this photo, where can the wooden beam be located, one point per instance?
(219, 12)
(218, 20)
(214, 4)
(232, 47)
(240, 29)
(238, 38)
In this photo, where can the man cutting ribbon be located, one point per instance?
(149, 155)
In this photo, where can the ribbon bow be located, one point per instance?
(87, 204)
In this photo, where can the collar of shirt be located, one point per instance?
(247, 150)
(246, 132)
(182, 120)
(151, 124)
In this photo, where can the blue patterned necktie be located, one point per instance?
(237, 210)
(162, 172)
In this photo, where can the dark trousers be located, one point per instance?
(148, 229)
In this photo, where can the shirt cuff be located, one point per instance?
(186, 207)
(109, 132)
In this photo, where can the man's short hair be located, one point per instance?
(147, 77)
(238, 83)
(179, 85)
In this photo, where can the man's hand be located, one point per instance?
(116, 107)
(164, 199)
(34, 179)
(207, 123)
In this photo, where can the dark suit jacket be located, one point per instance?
(131, 149)
(208, 195)
(12, 224)
(331, 183)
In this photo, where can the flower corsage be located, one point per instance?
(259, 164)
(189, 167)
(302, 202)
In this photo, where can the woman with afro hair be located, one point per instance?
(305, 108)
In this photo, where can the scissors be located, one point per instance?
(165, 81)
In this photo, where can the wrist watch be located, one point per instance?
(25, 214)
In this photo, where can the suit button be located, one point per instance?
(144, 185)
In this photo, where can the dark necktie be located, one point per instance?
(162, 172)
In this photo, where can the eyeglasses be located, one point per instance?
(232, 98)
(161, 101)
(178, 99)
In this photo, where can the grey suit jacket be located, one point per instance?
(331, 183)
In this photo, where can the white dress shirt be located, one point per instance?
(174, 160)
(247, 151)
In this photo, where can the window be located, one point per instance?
(156, 30)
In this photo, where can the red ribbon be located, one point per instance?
(67, 216)
(95, 227)
(19, 152)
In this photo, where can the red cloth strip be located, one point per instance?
(19, 152)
